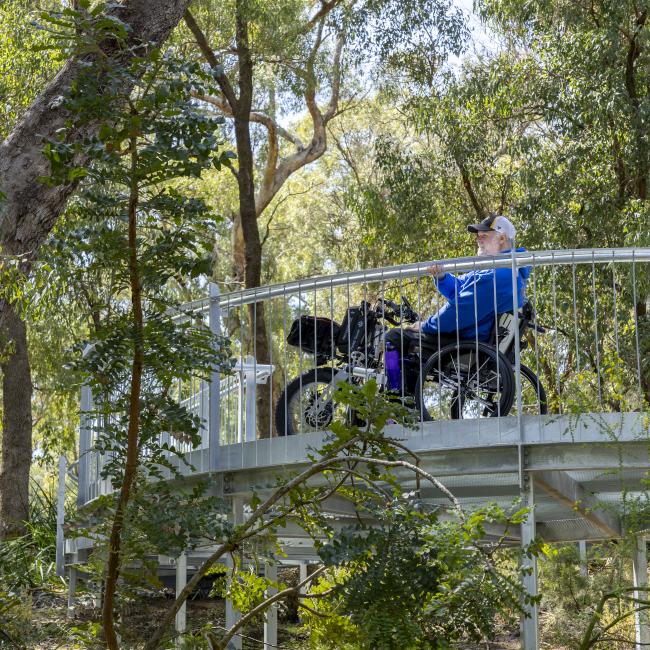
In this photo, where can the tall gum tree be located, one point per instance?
(236, 102)
(298, 52)
(29, 209)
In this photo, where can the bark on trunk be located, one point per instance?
(28, 212)
(131, 466)
(16, 424)
(248, 212)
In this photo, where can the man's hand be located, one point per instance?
(415, 327)
(436, 270)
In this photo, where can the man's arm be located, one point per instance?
(470, 305)
(446, 283)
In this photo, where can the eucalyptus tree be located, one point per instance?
(141, 230)
(29, 209)
(270, 56)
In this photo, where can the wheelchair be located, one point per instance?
(465, 379)
(470, 379)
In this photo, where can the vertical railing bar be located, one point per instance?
(636, 330)
(439, 368)
(515, 312)
(595, 299)
(332, 349)
(269, 326)
(285, 373)
(242, 387)
(229, 425)
(536, 342)
(300, 358)
(214, 387)
(401, 335)
(478, 378)
(557, 348)
(315, 333)
(457, 342)
(496, 327)
(347, 322)
(404, 351)
(253, 424)
(575, 312)
(84, 444)
(420, 359)
(615, 298)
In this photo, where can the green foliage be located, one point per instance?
(414, 574)
(569, 595)
(27, 569)
(23, 70)
(151, 136)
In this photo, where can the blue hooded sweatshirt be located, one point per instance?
(475, 317)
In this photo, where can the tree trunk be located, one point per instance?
(131, 466)
(247, 212)
(28, 211)
(16, 424)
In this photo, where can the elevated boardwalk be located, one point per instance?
(575, 469)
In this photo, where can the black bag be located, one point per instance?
(315, 335)
(352, 335)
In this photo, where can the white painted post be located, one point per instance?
(529, 623)
(271, 617)
(302, 576)
(582, 546)
(232, 614)
(84, 445)
(214, 389)
(72, 590)
(241, 398)
(60, 514)
(250, 381)
(640, 577)
(181, 615)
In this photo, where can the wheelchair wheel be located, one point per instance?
(533, 395)
(307, 404)
(465, 381)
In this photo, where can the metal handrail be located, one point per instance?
(458, 265)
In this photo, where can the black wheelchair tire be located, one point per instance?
(283, 425)
(505, 372)
(528, 374)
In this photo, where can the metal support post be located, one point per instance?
(303, 575)
(529, 622)
(232, 614)
(640, 577)
(72, 590)
(271, 617)
(98, 594)
(60, 514)
(582, 547)
(84, 445)
(517, 364)
(214, 388)
(249, 378)
(181, 615)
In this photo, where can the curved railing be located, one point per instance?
(592, 359)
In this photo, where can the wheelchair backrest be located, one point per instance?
(504, 330)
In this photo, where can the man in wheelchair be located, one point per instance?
(473, 300)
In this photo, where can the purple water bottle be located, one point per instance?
(391, 361)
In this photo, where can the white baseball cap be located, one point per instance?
(495, 223)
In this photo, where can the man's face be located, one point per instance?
(490, 242)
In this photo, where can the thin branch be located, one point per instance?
(336, 79)
(280, 595)
(255, 116)
(210, 57)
